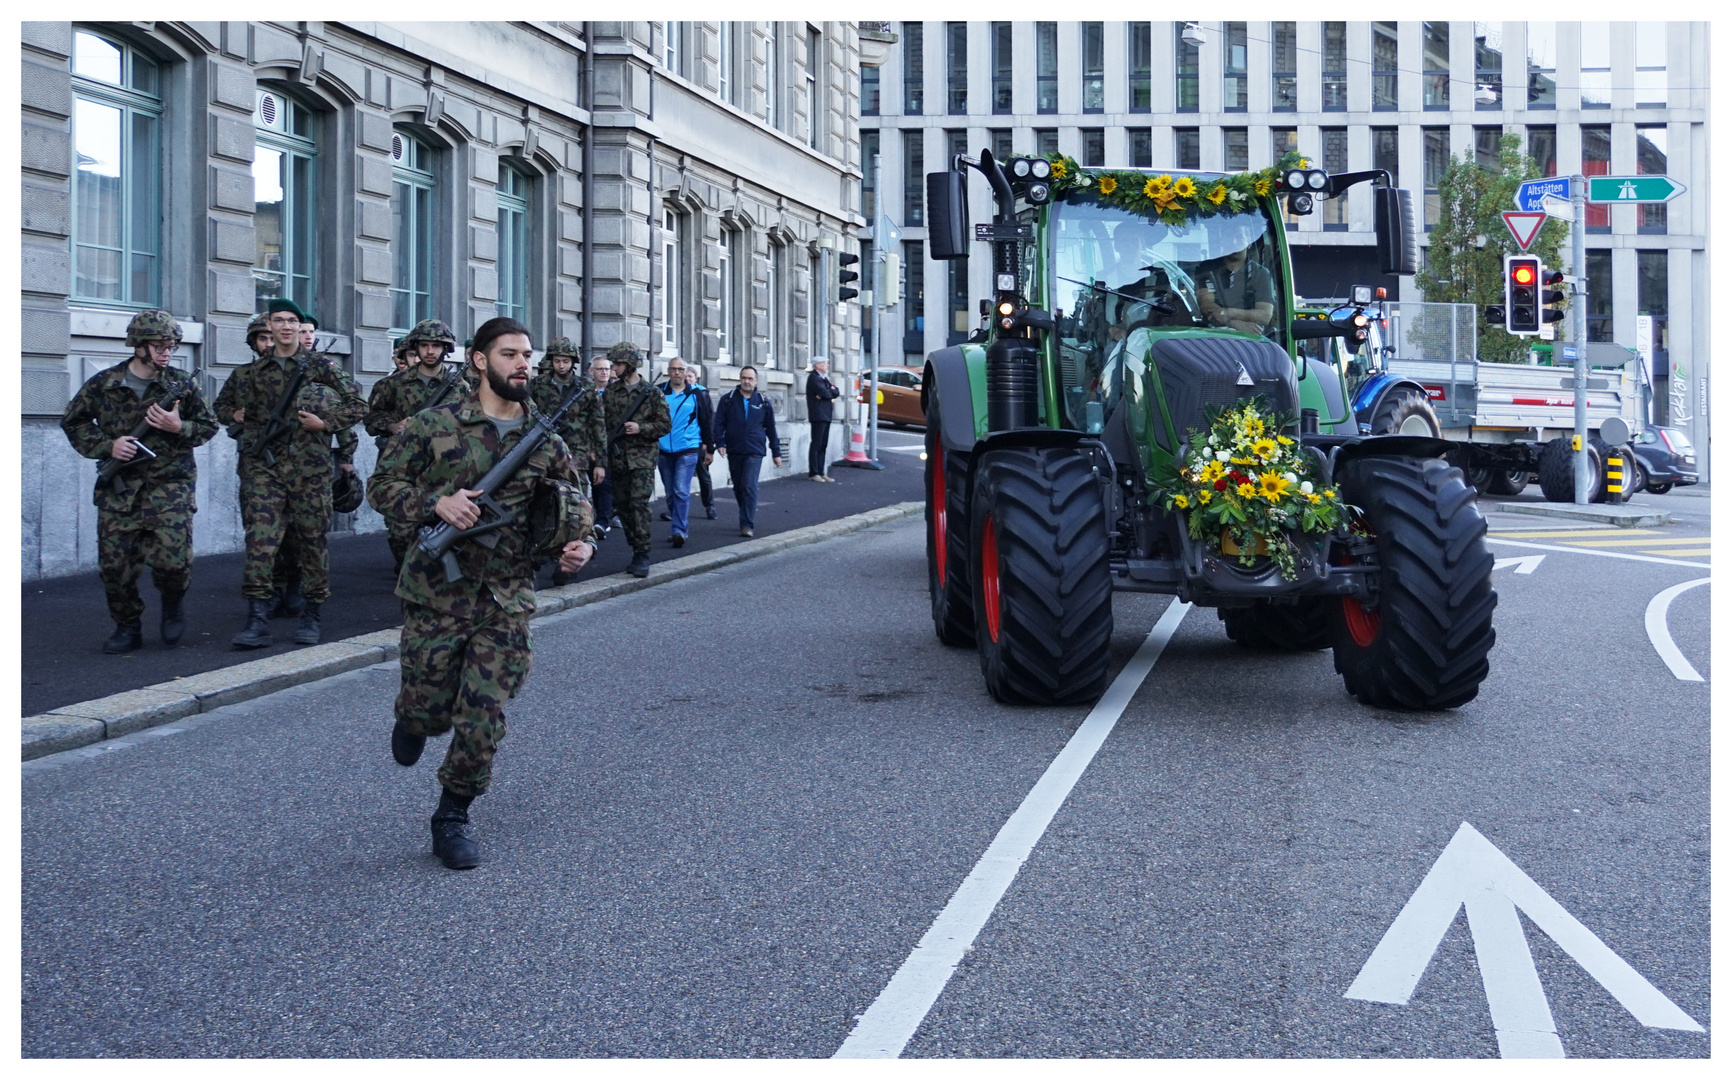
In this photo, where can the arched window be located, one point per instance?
(512, 195)
(117, 189)
(413, 210)
(284, 215)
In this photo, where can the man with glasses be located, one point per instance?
(144, 510)
(285, 484)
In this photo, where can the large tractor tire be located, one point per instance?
(947, 537)
(1423, 644)
(1405, 412)
(1043, 593)
(1558, 470)
(1271, 627)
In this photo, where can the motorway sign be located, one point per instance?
(1523, 226)
(1529, 193)
(1633, 189)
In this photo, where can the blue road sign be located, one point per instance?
(1529, 194)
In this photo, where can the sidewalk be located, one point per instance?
(64, 620)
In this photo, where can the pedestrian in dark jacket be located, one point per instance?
(820, 392)
(745, 430)
(683, 446)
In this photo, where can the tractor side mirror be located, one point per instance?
(1397, 244)
(947, 215)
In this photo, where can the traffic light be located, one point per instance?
(844, 276)
(1550, 294)
(1521, 293)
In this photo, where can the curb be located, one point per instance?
(87, 722)
(1621, 516)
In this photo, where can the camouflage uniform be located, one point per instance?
(631, 459)
(144, 517)
(465, 644)
(292, 497)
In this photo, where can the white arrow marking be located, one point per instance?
(1661, 635)
(1473, 872)
(1524, 564)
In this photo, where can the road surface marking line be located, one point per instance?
(1601, 554)
(885, 1028)
(1558, 534)
(1645, 541)
(1661, 635)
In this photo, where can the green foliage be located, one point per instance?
(1457, 269)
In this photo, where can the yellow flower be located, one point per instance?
(1108, 185)
(1184, 187)
(1265, 448)
(1263, 186)
(1181, 502)
(1272, 485)
(1217, 194)
(1058, 170)
(1247, 490)
(1203, 497)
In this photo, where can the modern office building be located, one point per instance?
(678, 185)
(1599, 98)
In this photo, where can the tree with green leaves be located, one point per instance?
(1465, 262)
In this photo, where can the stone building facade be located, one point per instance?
(682, 186)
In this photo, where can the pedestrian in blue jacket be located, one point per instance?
(745, 430)
(682, 445)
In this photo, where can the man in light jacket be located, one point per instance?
(745, 430)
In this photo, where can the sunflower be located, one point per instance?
(1272, 485)
(1263, 186)
(1217, 194)
(1184, 187)
(1108, 185)
(1265, 448)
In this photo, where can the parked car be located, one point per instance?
(1665, 457)
(901, 389)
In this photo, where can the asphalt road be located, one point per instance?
(66, 619)
(729, 807)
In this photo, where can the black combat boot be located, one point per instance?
(308, 634)
(173, 619)
(257, 634)
(406, 747)
(127, 637)
(451, 840)
(293, 602)
(639, 565)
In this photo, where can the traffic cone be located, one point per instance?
(856, 457)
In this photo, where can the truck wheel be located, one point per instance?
(1043, 593)
(1423, 644)
(1270, 627)
(1506, 481)
(1558, 469)
(1405, 412)
(947, 538)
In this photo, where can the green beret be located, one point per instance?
(283, 303)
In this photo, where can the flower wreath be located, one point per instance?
(1172, 201)
(1245, 487)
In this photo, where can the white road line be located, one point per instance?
(885, 1028)
(1661, 635)
(1601, 554)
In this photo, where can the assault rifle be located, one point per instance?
(277, 425)
(106, 472)
(438, 540)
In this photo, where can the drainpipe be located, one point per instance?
(588, 165)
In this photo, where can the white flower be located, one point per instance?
(1305, 487)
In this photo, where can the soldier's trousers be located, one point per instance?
(458, 672)
(124, 548)
(632, 489)
(272, 510)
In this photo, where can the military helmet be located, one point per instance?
(625, 353)
(557, 514)
(347, 491)
(152, 325)
(318, 399)
(430, 330)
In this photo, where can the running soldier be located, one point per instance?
(636, 415)
(285, 483)
(144, 509)
(465, 643)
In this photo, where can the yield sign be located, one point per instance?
(1473, 873)
(1524, 226)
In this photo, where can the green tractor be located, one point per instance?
(1129, 309)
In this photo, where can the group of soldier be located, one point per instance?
(440, 429)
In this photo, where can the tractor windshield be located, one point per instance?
(1117, 273)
